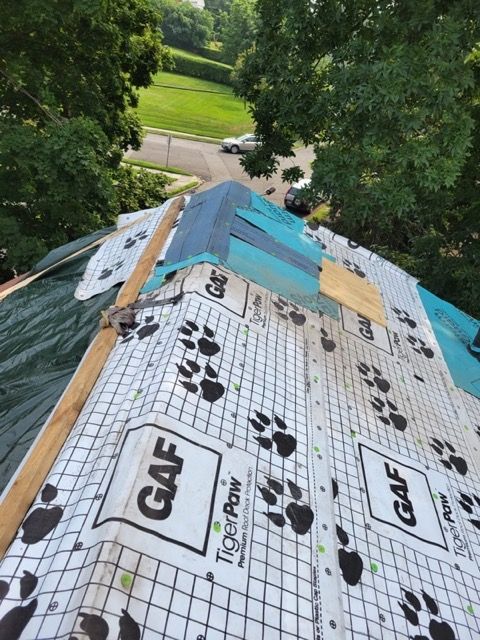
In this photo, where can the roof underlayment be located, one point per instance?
(255, 460)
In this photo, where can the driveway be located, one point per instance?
(212, 165)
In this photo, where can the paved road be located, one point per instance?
(212, 165)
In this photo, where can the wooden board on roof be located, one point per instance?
(353, 292)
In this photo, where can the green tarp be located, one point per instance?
(44, 332)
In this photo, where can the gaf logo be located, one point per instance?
(223, 287)
(164, 476)
(217, 284)
(400, 498)
(366, 330)
(163, 484)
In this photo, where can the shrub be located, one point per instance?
(189, 64)
(210, 53)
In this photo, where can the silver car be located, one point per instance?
(248, 142)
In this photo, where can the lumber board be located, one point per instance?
(41, 457)
(348, 289)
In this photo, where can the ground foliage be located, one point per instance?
(389, 94)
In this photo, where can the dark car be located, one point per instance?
(294, 198)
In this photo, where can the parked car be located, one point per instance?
(294, 200)
(248, 142)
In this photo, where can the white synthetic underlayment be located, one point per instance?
(182, 504)
(117, 257)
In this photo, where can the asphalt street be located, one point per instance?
(213, 165)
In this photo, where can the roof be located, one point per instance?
(257, 460)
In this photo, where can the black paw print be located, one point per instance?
(477, 429)
(132, 241)
(107, 272)
(395, 418)
(469, 504)
(377, 380)
(404, 317)
(327, 343)
(96, 628)
(354, 268)
(420, 346)
(14, 621)
(205, 345)
(373, 378)
(42, 520)
(351, 564)
(438, 630)
(284, 442)
(295, 315)
(212, 390)
(145, 329)
(456, 462)
(299, 515)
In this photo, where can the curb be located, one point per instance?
(184, 136)
(174, 194)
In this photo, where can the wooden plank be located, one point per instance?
(353, 292)
(43, 453)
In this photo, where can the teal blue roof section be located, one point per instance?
(455, 332)
(273, 274)
(231, 225)
(292, 238)
(163, 270)
(269, 244)
(275, 213)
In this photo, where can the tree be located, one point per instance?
(68, 77)
(55, 186)
(78, 59)
(387, 93)
(218, 6)
(219, 10)
(184, 25)
(139, 189)
(238, 32)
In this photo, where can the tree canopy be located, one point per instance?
(69, 72)
(388, 94)
(238, 31)
(219, 10)
(184, 25)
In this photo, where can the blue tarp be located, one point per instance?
(205, 224)
(454, 331)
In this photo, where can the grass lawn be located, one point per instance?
(144, 164)
(206, 109)
(198, 57)
(186, 82)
